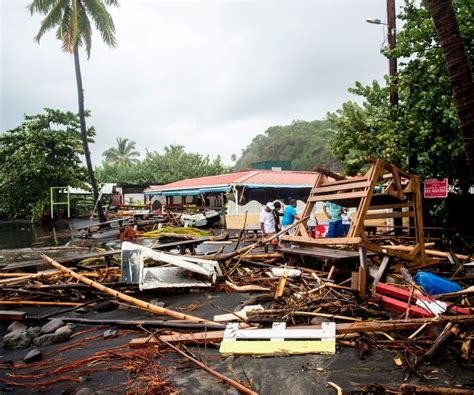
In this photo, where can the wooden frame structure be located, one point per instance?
(384, 188)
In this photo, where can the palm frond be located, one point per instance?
(41, 6)
(86, 29)
(103, 20)
(52, 19)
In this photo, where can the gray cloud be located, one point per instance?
(208, 75)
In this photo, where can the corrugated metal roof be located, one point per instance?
(246, 177)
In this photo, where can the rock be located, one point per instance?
(16, 339)
(65, 332)
(16, 325)
(33, 355)
(71, 325)
(110, 333)
(105, 306)
(81, 310)
(84, 391)
(51, 326)
(33, 331)
(45, 340)
(60, 335)
(156, 302)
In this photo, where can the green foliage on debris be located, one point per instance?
(423, 127)
(304, 143)
(170, 230)
(173, 164)
(43, 152)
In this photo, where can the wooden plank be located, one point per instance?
(12, 315)
(339, 187)
(381, 271)
(277, 347)
(337, 196)
(363, 271)
(328, 173)
(323, 241)
(322, 252)
(342, 182)
(409, 204)
(395, 214)
(281, 286)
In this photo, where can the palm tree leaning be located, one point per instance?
(72, 21)
(122, 155)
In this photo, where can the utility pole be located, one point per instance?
(392, 60)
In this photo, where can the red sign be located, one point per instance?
(436, 188)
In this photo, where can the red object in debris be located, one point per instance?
(436, 188)
(387, 294)
(321, 231)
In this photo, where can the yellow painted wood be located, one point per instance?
(265, 347)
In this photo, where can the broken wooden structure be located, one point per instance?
(384, 191)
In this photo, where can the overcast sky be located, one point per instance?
(207, 75)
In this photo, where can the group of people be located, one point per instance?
(338, 217)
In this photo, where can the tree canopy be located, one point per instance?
(161, 168)
(43, 152)
(423, 126)
(304, 143)
(124, 154)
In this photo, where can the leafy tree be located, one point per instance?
(173, 164)
(122, 155)
(304, 143)
(424, 124)
(43, 152)
(72, 21)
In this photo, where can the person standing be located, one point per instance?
(289, 216)
(277, 214)
(333, 212)
(267, 224)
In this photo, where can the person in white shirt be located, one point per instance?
(267, 224)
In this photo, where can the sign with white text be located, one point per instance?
(436, 188)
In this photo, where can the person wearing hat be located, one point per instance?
(267, 223)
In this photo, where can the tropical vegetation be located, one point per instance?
(122, 155)
(73, 21)
(303, 143)
(173, 164)
(43, 152)
(422, 132)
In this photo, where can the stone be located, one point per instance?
(105, 306)
(71, 325)
(51, 326)
(81, 310)
(64, 332)
(33, 355)
(110, 333)
(60, 335)
(84, 391)
(33, 331)
(16, 339)
(16, 325)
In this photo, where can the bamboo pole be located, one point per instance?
(137, 302)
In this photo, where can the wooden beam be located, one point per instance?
(329, 173)
(381, 271)
(395, 214)
(323, 241)
(339, 187)
(337, 196)
(12, 315)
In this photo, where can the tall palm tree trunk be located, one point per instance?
(459, 71)
(85, 142)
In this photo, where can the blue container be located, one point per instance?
(435, 285)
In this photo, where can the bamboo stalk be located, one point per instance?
(137, 302)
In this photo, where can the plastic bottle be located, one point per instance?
(435, 285)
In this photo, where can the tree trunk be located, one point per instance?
(85, 141)
(459, 71)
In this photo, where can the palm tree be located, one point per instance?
(459, 71)
(72, 21)
(124, 155)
